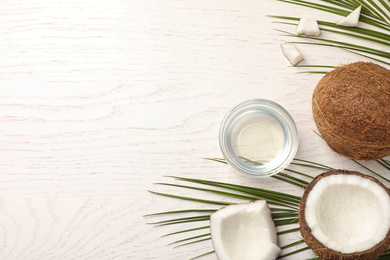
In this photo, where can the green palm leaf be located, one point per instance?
(293, 252)
(186, 230)
(374, 13)
(194, 238)
(359, 49)
(284, 214)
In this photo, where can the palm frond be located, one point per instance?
(376, 54)
(370, 35)
(372, 171)
(367, 15)
(186, 230)
(315, 66)
(195, 241)
(309, 164)
(199, 256)
(181, 220)
(278, 196)
(313, 72)
(284, 215)
(192, 199)
(194, 238)
(227, 194)
(375, 14)
(181, 211)
(384, 163)
(288, 231)
(293, 252)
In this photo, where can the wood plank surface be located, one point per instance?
(101, 99)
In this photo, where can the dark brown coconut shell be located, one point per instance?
(351, 108)
(320, 249)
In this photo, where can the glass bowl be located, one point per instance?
(258, 138)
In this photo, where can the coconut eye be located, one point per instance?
(347, 214)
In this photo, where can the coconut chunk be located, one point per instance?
(348, 213)
(244, 232)
(291, 53)
(352, 20)
(308, 27)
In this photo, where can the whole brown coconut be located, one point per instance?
(351, 108)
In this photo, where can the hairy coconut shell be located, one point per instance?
(351, 108)
(320, 249)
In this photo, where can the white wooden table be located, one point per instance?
(101, 99)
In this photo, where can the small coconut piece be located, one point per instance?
(351, 108)
(346, 215)
(308, 27)
(244, 232)
(291, 53)
(352, 20)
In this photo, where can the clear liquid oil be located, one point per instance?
(257, 139)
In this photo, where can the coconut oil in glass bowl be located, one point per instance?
(258, 138)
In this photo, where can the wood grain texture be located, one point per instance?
(101, 99)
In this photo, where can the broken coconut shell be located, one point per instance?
(324, 249)
(351, 108)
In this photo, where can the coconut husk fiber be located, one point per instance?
(351, 109)
(322, 250)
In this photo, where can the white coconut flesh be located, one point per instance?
(308, 27)
(348, 213)
(291, 53)
(244, 232)
(352, 20)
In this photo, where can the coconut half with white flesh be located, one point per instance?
(244, 232)
(346, 215)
